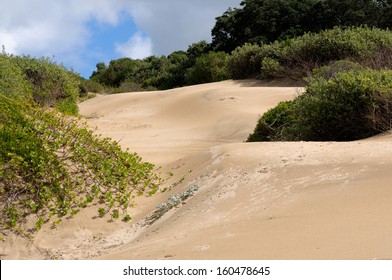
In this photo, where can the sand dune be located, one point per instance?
(297, 200)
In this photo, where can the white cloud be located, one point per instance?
(138, 46)
(41, 23)
(62, 27)
(175, 24)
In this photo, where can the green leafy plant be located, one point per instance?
(39, 80)
(245, 61)
(127, 218)
(336, 106)
(53, 165)
(296, 58)
(115, 214)
(276, 124)
(210, 67)
(12, 79)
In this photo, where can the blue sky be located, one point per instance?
(81, 33)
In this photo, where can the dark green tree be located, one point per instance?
(224, 37)
(101, 68)
(179, 62)
(260, 21)
(264, 21)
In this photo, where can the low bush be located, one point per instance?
(296, 58)
(345, 107)
(210, 67)
(12, 79)
(336, 106)
(329, 71)
(276, 124)
(270, 68)
(39, 80)
(360, 44)
(130, 86)
(245, 62)
(53, 166)
(90, 86)
(52, 84)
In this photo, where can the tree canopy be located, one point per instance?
(264, 21)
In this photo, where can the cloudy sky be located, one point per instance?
(80, 33)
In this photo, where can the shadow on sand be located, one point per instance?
(269, 83)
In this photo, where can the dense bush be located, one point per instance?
(117, 72)
(336, 106)
(362, 45)
(211, 67)
(270, 68)
(12, 79)
(276, 124)
(296, 58)
(51, 165)
(40, 80)
(52, 84)
(329, 71)
(90, 86)
(245, 61)
(351, 105)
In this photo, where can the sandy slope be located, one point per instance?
(255, 200)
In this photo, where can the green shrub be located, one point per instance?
(210, 67)
(12, 80)
(51, 83)
(275, 124)
(52, 165)
(67, 106)
(39, 80)
(336, 106)
(296, 58)
(329, 71)
(89, 86)
(360, 44)
(346, 107)
(270, 68)
(245, 61)
(128, 86)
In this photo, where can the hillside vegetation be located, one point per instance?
(257, 39)
(291, 58)
(348, 93)
(52, 165)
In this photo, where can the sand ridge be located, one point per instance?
(296, 200)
